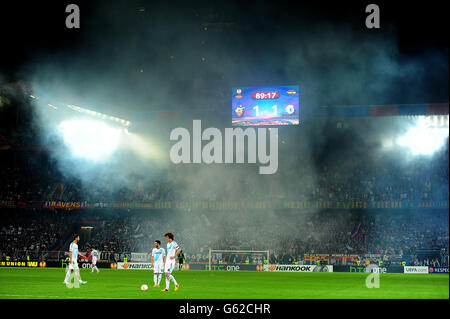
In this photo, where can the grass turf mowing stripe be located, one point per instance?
(46, 283)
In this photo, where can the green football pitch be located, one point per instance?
(47, 283)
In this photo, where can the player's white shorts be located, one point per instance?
(94, 261)
(73, 265)
(158, 268)
(170, 265)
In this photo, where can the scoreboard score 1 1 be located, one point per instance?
(259, 106)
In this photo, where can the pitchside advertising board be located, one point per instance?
(81, 264)
(240, 267)
(142, 266)
(438, 270)
(415, 269)
(20, 264)
(298, 268)
(225, 267)
(50, 264)
(372, 268)
(88, 265)
(237, 267)
(137, 266)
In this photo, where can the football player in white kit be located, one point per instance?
(73, 262)
(158, 261)
(172, 252)
(94, 255)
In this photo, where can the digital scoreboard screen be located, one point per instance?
(259, 106)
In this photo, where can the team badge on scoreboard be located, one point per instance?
(273, 105)
(240, 111)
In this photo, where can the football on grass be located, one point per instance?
(144, 287)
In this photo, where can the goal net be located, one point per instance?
(237, 257)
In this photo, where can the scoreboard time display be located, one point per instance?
(259, 106)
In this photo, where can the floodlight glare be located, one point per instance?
(90, 139)
(424, 140)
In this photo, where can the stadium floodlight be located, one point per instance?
(90, 139)
(99, 115)
(423, 140)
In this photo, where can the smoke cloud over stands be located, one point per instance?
(132, 63)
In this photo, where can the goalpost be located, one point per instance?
(233, 257)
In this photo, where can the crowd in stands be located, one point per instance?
(29, 179)
(32, 232)
(390, 181)
(442, 261)
(287, 235)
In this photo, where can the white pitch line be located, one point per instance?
(64, 297)
(42, 296)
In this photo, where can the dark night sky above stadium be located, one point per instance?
(257, 37)
(39, 25)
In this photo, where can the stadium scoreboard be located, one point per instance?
(259, 106)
